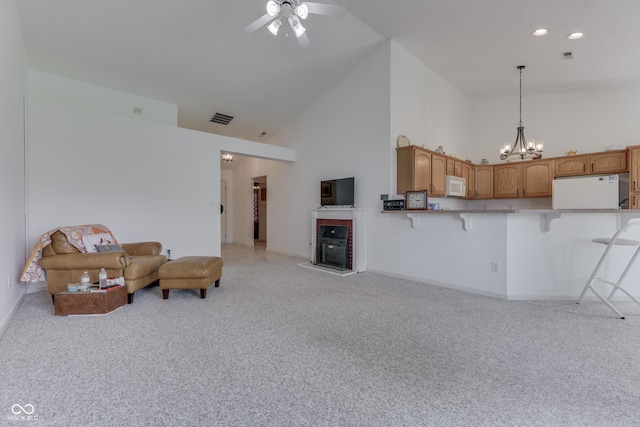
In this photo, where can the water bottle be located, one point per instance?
(103, 278)
(85, 280)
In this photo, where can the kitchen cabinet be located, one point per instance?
(454, 166)
(634, 177)
(570, 165)
(484, 182)
(523, 179)
(438, 175)
(506, 181)
(537, 176)
(609, 162)
(596, 163)
(469, 175)
(413, 169)
(422, 169)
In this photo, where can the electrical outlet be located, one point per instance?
(9, 281)
(495, 267)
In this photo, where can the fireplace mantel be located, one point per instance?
(359, 230)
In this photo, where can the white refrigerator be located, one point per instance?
(586, 192)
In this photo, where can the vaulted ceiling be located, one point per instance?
(195, 54)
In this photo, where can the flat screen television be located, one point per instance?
(337, 192)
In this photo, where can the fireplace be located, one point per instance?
(348, 254)
(333, 247)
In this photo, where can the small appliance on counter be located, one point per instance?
(589, 192)
(393, 205)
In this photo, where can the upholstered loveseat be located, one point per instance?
(64, 260)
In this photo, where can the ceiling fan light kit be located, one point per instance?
(274, 27)
(292, 11)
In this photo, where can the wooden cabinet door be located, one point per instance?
(422, 171)
(413, 169)
(438, 175)
(634, 169)
(612, 162)
(484, 182)
(506, 181)
(454, 167)
(536, 178)
(451, 166)
(570, 165)
(634, 177)
(469, 175)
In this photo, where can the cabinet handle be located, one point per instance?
(634, 186)
(518, 192)
(584, 168)
(591, 167)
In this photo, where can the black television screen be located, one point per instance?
(338, 192)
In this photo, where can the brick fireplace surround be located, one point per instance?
(356, 220)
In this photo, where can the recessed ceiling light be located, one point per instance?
(540, 32)
(575, 36)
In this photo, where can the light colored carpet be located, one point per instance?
(281, 345)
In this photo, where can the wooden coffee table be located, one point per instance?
(89, 302)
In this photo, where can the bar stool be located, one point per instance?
(615, 240)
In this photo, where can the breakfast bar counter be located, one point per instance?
(546, 215)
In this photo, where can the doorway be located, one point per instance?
(223, 211)
(260, 212)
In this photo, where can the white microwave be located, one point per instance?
(455, 186)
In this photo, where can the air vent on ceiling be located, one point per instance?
(222, 119)
(567, 55)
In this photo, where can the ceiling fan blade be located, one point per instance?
(325, 9)
(258, 23)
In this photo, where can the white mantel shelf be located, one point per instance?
(546, 215)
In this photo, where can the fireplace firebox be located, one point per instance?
(332, 246)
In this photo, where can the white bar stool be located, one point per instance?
(611, 242)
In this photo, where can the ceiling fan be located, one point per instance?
(292, 11)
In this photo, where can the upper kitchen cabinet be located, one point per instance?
(609, 162)
(413, 169)
(596, 163)
(484, 182)
(469, 175)
(634, 177)
(506, 181)
(523, 179)
(438, 175)
(537, 176)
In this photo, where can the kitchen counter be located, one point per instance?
(547, 215)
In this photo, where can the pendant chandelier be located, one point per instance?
(521, 147)
(226, 157)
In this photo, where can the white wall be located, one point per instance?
(13, 87)
(426, 108)
(143, 180)
(343, 133)
(47, 87)
(587, 122)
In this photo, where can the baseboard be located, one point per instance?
(4, 324)
(441, 284)
(33, 288)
